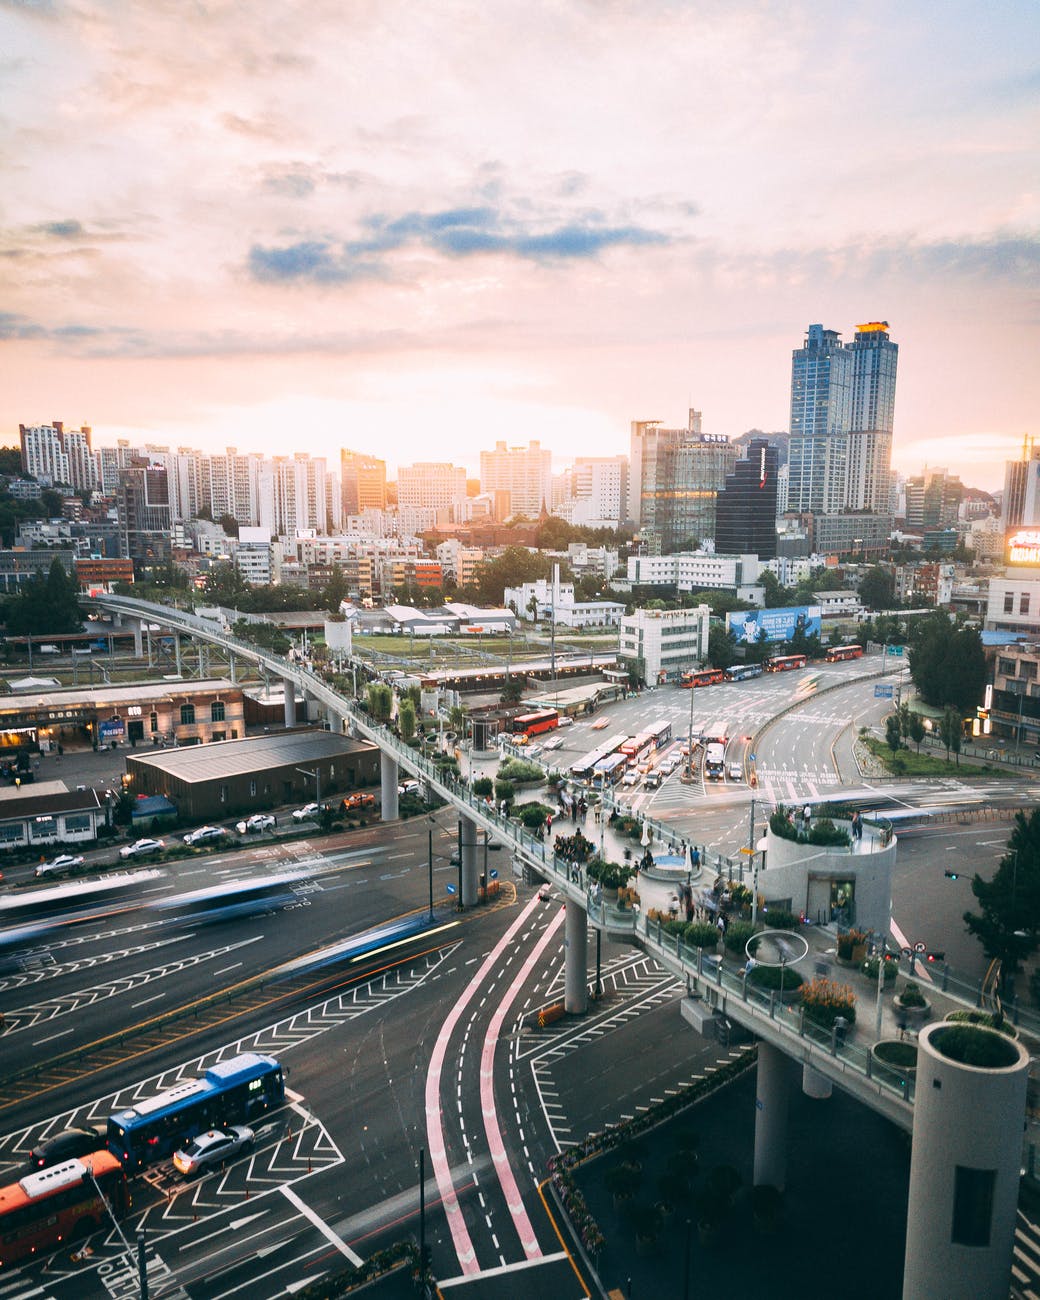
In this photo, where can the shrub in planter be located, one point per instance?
(724, 1183)
(870, 969)
(504, 791)
(848, 942)
(622, 1181)
(972, 1045)
(987, 1019)
(910, 996)
(824, 833)
(611, 875)
(896, 1053)
(777, 918)
(737, 935)
(769, 978)
(701, 934)
(483, 787)
(533, 815)
(825, 1000)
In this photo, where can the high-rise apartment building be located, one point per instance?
(599, 486)
(745, 522)
(143, 512)
(933, 499)
(1021, 504)
(842, 411)
(674, 482)
(62, 456)
(524, 472)
(362, 482)
(432, 485)
(292, 494)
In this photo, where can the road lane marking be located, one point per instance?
(321, 1225)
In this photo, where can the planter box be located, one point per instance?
(911, 1016)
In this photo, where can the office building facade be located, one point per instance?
(745, 521)
(524, 472)
(676, 476)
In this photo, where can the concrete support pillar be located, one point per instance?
(964, 1168)
(815, 1084)
(388, 779)
(138, 629)
(148, 644)
(290, 702)
(177, 651)
(772, 1093)
(470, 850)
(231, 666)
(333, 719)
(576, 960)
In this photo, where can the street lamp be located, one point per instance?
(316, 777)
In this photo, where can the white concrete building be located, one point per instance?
(590, 613)
(432, 485)
(662, 643)
(543, 593)
(524, 472)
(253, 556)
(695, 570)
(54, 454)
(1013, 603)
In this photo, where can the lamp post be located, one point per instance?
(316, 777)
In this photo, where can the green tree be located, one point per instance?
(512, 690)
(45, 605)
(947, 663)
(892, 737)
(406, 719)
(1009, 917)
(775, 593)
(226, 586)
(722, 649)
(917, 730)
(380, 701)
(11, 461)
(951, 730)
(229, 524)
(877, 588)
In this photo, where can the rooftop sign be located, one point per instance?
(1023, 547)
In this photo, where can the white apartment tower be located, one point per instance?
(432, 485)
(524, 472)
(52, 452)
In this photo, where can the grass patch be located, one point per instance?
(907, 762)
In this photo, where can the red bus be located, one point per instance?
(45, 1209)
(531, 724)
(836, 653)
(702, 677)
(784, 663)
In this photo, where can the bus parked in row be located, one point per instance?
(715, 762)
(583, 769)
(742, 672)
(784, 663)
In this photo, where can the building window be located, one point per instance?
(252, 787)
(1009, 602)
(216, 711)
(972, 1206)
(43, 828)
(1023, 602)
(187, 715)
(12, 831)
(153, 722)
(77, 822)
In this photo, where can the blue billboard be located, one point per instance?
(750, 626)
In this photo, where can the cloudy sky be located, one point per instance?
(415, 228)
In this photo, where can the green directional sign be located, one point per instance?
(895, 649)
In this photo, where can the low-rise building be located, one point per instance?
(241, 776)
(49, 813)
(661, 644)
(695, 571)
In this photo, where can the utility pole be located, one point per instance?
(429, 832)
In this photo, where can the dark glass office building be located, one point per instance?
(745, 511)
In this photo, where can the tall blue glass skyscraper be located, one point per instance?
(842, 406)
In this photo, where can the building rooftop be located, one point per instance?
(43, 799)
(238, 757)
(116, 695)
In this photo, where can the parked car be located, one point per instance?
(205, 835)
(61, 863)
(258, 822)
(736, 772)
(66, 1145)
(142, 848)
(212, 1148)
(408, 787)
(310, 812)
(359, 799)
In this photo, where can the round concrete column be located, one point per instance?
(964, 1167)
(815, 1084)
(290, 702)
(576, 960)
(772, 1093)
(469, 848)
(388, 779)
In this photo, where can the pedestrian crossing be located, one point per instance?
(1025, 1265)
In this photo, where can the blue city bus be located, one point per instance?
(742, 672)
(236, 1091)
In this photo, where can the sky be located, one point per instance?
(416, 229)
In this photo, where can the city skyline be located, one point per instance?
(394, 229)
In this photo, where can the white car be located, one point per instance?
(61, 863)
(310, 812)
(212, 1148)
(205, 835)
(258, 822)
(736, 772)
(408, 787)
(142, 848)
(631, 778)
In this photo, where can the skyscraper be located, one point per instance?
(842, 410)
(746, 509)
(362, 482)
(524, 472)
(674, 480)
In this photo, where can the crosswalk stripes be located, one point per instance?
(1025, 1266)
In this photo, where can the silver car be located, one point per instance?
(212, 1148)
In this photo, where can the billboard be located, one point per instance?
(1023, 547)
(113, 729)
(750, 626)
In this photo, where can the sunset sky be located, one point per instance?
(415, 228)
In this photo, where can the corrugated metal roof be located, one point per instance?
(106, 696)
(256, 753)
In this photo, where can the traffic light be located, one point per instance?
(937, 956)
(951, 875)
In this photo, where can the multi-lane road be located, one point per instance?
(432, 1046)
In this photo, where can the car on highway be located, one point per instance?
(735, 772)
(258, 822)
(63, 862)
(142, 848)
(310, 812)
(212, 1148)
(69, 1144)
(205, 835)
